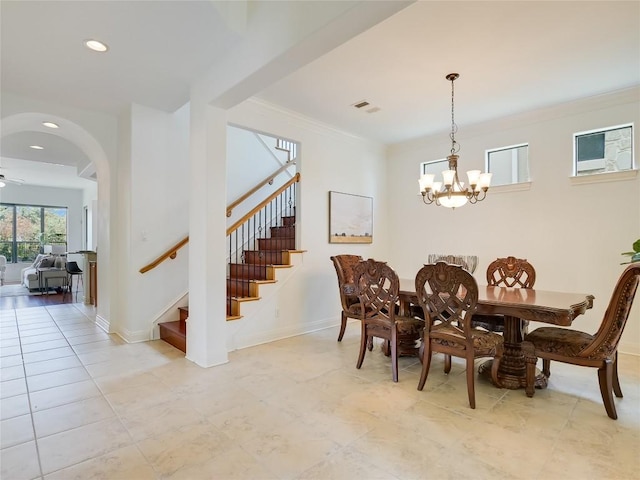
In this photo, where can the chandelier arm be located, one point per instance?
(425, 197)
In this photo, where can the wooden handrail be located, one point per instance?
(171, 253)
(269, 179)
(294, 179)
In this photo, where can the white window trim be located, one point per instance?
(516, 186)
(603, 177)
(611, 179)
(513, 187)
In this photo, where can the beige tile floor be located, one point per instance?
(80, 404)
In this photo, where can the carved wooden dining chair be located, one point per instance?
(506, 272)
(344, 265)
(378, 292)
(579, 348)
(448, 294)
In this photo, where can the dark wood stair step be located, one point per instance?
(263, 257)
(277, 243)
(239, 287)
(289, 221)
(175, 333)
(184, 312)
(289, 231)
(247, 271)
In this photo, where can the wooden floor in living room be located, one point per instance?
(34, 299)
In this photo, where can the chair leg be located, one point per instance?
(605, 377)
(426, 363)
(447, 363)
(343, 326)
(364, 339)
(470, 383)
(616, 382)
(370, 344)
(394, 357)
(546, 367)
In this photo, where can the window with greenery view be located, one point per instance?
(26, 229)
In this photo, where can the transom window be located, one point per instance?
(603, 150)
(508, 165)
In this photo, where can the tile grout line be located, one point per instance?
(26, 384)
(104, 397)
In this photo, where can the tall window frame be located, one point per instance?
(25, 230)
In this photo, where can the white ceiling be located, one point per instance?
(511, 56)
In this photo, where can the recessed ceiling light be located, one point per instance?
(96, 46)
(50, 125)
(36, 147)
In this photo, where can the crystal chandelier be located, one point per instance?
(451, 192)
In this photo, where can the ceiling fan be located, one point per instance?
(4, 180)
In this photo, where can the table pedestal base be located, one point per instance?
(510, 381)
(405, 349)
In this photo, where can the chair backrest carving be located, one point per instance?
(448, 294)
(468, 262)
(378, 289)
(606, 339)
(511, 272)
(344, 265)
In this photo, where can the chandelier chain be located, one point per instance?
(455, 148)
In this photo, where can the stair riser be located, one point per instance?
(248, 271)
(263, 257)
(276, 243)
(289, 221)
(237, 288)
(277, 232)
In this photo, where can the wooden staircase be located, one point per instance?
(258, 267)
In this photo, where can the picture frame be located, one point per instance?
(350, 218)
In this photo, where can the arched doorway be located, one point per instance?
(99, 166)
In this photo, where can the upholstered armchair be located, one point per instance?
(344, 265)
(448, 294)
(378, 292)
(599, 350)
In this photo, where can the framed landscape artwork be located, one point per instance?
(350, 218)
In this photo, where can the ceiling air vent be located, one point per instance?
(366, 106)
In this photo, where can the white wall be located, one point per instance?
(153, 206)
(328, 160)
(251, 157)
(572, 234)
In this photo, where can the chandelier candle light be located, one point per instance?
(451, 192)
